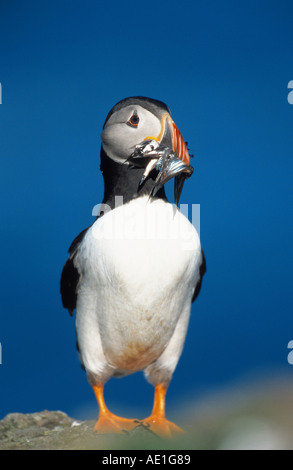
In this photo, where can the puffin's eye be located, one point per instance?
(134, 120)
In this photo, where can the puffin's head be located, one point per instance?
(134, 122)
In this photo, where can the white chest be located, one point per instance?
(139, 264)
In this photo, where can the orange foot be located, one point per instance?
(157, 421)
(108, 423)
(161, 426)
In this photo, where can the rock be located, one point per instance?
(54, 430)
(254, 416)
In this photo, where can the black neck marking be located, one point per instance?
(123, 180)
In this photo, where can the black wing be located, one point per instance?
(202, 271)
(70, 275)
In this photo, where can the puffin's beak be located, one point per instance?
(171, 137)
(178, 163)
(167, 153)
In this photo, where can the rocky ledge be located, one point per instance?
(55, 430)
(250, 417)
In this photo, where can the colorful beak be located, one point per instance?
(178, 164)
(179, 145)
(167, 153)
(171, 137)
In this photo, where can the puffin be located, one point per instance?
(133, 274)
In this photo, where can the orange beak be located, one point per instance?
(178, 166)
(179, 145)
(171, 137)
(167, 152)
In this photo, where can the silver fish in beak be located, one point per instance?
(167, 154)
(171, 166)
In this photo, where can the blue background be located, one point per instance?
(223, 68)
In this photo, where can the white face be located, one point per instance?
(127, 128)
